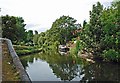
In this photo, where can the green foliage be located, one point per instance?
(95, 27)
(85, 36)
(35, 39)
(18, 47)
(111, 54)
(73, 39)
(101, 35)
(77, 46)
(41, 39)
(36, 32)
(62, 29)
(24, 50)
(74, 50)
(59, 33)
(84, 23)
(29, 36)
(20, 29)
(13, 28)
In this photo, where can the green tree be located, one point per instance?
(92, 32)
(59, 33)
(95, 27)
(41, 39)
(35, 38)
(101, 35)
(36, 32)
(20, 29)
(63, 27)
(13, 28)
(84, 23)
(30, 36)
(110, 41)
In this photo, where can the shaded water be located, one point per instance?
(54, 67)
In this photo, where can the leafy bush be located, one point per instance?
(77, 46)
(73, 52)
(73, 39)
(111, 55)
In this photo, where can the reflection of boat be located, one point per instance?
(63, 49)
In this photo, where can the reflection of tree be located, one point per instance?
(101, 72)
(31, 59)
(65, 68)
(26, 59)
(65, 71)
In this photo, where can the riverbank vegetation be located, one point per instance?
(25, 50)
(98, 38)
(101, 36)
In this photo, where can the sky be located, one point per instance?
(40, 14)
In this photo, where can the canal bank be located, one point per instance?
(16, 62)
(9, 71)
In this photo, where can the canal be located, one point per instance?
(54, 67)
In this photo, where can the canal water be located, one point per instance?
(54, 67)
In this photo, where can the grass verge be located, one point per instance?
(25, 50)
(9, 71)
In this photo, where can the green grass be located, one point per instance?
(25, 50)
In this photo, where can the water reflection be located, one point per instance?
(45, 67)
(102, 72)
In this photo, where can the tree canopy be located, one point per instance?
(101, 35)
(62, 29)
(13, 28)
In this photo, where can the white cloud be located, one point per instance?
(44, 12)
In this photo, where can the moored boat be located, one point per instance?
(63, 49)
